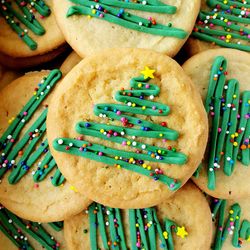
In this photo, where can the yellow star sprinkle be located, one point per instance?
(181, 231)
(148, 73)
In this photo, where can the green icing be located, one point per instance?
(145, 230)
(112, 11)
(26, 17)
(223, 25)
(18, 231)
(230, 127)
(136, 103)
(31, 145)
(231, 225)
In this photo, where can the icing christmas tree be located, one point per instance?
(225, 24)
(139, 100)
(113, 11)
(145, 229)
(230, 128)
(19, 231)
(26, 17)
(19, 155)
(230, 226)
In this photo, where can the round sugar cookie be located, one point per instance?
(128, 132)
(16, 233)
(31, 184)
(181, 222)
(29, 33)
(224, 172)
(221, 24)
(70, 62)
(231, 223)
(90, 26)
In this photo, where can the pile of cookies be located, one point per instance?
(107, 142)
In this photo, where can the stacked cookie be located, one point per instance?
(122, 148)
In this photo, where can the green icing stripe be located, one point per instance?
(28, 144)
(18, 231)
(231, 225)
(106, 10)
(136, 103)
(27, 18)
(57, 226)
(225, 26)
(229, 135)
(145, 230)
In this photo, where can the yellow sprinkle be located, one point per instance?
(231, 219)
(149, 168)
(93, 11)
(159, 151)
(235, 144)
(118, 166)
(228, 36)
(137, 225)
(231, 211)
(34, 93)
(236, 134)
(144, 165)
(133, 104)
(227, 41)
(234, 96)
(128, 142)
(102, 130)
(165, 235)
(89, 16)
(74, 189)
(131, 160)
(143, 107)
(160, 135)
(116, 157)
(232, 136)
(139, 85)
(225, 20)
(237, 217)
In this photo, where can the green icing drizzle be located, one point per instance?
(231, 225)
(145, 230)
(27, 18)
(30, 144)
(112, 11)
(230, 127)
(223, 25)
(18, 231)
(136, 103)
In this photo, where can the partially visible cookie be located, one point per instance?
(29, 33)
(120, 130)
(16, 233)
(181, 222)
(7, 76)
(221, 24)
(70, 62)
(31, 184)
(90, 26)
(222, 78)
(231, 221)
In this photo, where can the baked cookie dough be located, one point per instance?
(70, 62)
(181, 222)
(29, 33)
(31, 184)
(222, 78)
(90, 26)
(221, 24)
(137, 153)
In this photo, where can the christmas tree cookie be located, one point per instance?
(222, 78)
(32, 186)
(123, 139)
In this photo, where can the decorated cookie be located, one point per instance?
(7, 76)
(231, 224)
(221, 24)
(222, 76)
(175, 223)
(16, 233)
(70, 62)
(128, 132)
(91, 26)
(31, 184)
(29, 33)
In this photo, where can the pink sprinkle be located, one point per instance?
(81, 148)
(147, 86)
(212, 113)
(124, 143)
(108, 135)
(100, 153)
(6, 161)
(171, 185)
(118, 112)
(138, 244)
(25, 113)
(231, 223)
(220, 228)
(115, 134)
(219, 130)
